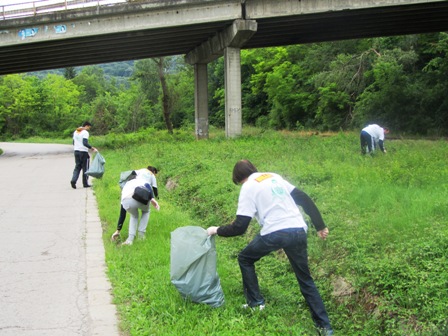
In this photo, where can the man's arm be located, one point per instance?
(85, 142)
(237, 228)
(381, 145)
(310, 208)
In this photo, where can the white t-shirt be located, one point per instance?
(129, 187)
(78, 137)
(267, 197)
(375, 131)
(147, 175)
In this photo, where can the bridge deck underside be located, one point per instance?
(333, 26)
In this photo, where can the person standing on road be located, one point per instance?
(81, 147)
(133, 206)
(370, 136)
(148, 174)
(274, 203)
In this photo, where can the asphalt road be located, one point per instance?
(52, 269)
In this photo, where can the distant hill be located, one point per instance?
(121, 71)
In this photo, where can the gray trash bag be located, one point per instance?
(126, 176)
(96, 169)
(193, 266)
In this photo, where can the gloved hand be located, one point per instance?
(212, 230)
(115, 235)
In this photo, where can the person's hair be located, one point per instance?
(152, 169)
(242, 170)
(86, 123)
(386, 129)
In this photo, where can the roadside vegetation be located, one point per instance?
(398, 81)
(382, 271)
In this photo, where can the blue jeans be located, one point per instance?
(294, 242)
(366, 141)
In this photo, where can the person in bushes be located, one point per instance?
(370, 136)
(274, 203)
(147, 174)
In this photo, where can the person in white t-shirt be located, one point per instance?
(81, 147)
(372, 135)
(133, 206)
(274, 203)
(149, 175)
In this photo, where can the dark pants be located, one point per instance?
(366, 141)
(81, 163)
(294, 243)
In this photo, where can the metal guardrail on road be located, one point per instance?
(42, 7)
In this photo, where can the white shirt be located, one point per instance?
(147, 175)
(129, 187)
(375, 131)
(78, 137)
(267, 197)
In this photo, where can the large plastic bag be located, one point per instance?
(193, 266)
(126, 176)
(96, 169)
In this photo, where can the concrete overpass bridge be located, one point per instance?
(34, 37)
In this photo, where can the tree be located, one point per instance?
(435, 82)
(134, 111)
(216, 92)
(105, 110)
(69, 73)
(181, 88)
(152, 76)
(161, 67)
(59, 104)
(19, 104)
(91, 83)
(390, 99)
(339, 88)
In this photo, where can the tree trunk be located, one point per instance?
(165, 96)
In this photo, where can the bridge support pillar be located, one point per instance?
(232, 80)
(227, 42)
(201, 100)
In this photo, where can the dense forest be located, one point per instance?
(399, 82)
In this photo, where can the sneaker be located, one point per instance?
(259, 307)
(127, 243)
(141, 236)
(325, 332)
(73, 184)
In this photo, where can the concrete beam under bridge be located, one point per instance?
(227, 43)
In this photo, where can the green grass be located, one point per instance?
(388, 240)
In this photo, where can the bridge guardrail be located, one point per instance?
(42, 7)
